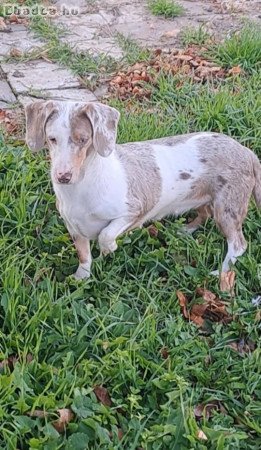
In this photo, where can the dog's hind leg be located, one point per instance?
(204, 212)
(229, 216)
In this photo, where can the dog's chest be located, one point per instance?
(84, 212)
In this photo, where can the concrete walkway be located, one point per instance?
(94, 30)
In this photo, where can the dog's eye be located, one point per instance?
(83, 140)
(52, 140)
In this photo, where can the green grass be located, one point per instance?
(198, 36)
(243, 49)
(166, 8)
(133, 52)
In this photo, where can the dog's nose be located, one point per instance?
(64, 177)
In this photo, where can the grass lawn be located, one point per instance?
(116, 351)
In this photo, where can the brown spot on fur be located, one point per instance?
(230, 211)
(221, 180)
(81, 127)
(81, 137)
(143, 175)
(37, 115)
(203, 160)
(184, 176)
(173, 140)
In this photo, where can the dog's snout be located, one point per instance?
(64, 177)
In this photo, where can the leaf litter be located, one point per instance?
(208, 306)
(138, 80)
(102, 395)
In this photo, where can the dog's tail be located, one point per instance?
(257, 187)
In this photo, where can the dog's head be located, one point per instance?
(71, 131)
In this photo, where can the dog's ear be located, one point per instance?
(37, 114)
(104, 121)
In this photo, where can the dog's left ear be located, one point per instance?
(37, 114)
(104, 121)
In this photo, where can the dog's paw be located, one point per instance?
(215, 273)
(186, 230)
(107, 247)
(82, 273)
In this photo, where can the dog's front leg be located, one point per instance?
(85, 258)
(107, 237)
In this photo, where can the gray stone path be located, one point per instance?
(94, 30)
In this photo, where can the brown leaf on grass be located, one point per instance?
(198, 320)
(183, 301)
(208, 409)
(235, 70)
(120, 434)
(15, 52)
(153, 231)
(13, 18)
(211, 308)
(164, 352)
(11, 361)
(171, 33)
(3, 26)
(201, 435)
(65, 416)
(8, 121)
(243, 346)
(102, 395)
(227, 282)
(208, 296)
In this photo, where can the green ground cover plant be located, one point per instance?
(115, 350)
(166, 8)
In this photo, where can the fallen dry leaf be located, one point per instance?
(198, 320)
(15, 52)
(11, 361)
(164, 353)
(183, 301)
(243, 346)
(208, 296)
(3, 25)
(227, 282)
(208, 409)
(13, 18)
(65, 416)
(153, 231)
(171, 33)
(9, 121)
(235, 70)
(201, 435)
(120, 434)
(211, 308)
(102, 395)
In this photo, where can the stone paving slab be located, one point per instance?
(78, 95)
(91, 32)
(20, 38)
(38, 75)
(6, 93)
